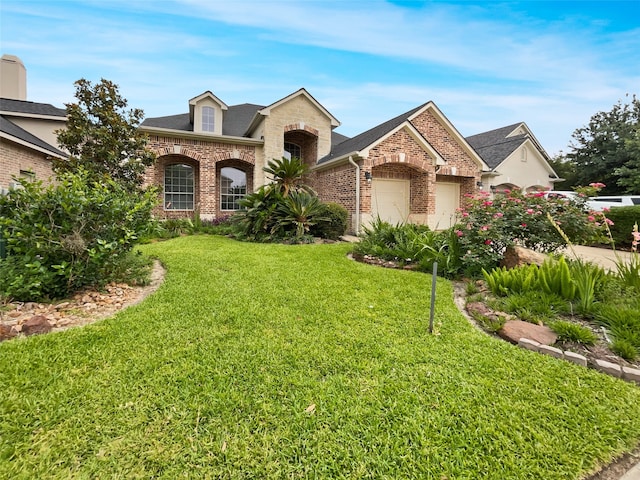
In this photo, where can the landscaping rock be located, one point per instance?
(514, 330)
(631, 374)
(36, 325)
(516, 256)
(576, 358)
(551, 351)
(6, 332)
(529, 344)
(479, 308)
(609, 368)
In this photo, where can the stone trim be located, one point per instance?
(613, 369)
(301, 126)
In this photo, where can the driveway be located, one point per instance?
(604, 257)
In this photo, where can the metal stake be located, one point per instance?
(433, 295)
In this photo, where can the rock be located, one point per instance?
(514, 330)
(36, 325)
(14, 313)
(479, 308)
(6, 332)
(516, 256)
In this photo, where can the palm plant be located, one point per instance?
(300, 210)
(287, 174)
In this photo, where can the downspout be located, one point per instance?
(357, 194)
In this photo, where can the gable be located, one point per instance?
(444, 137)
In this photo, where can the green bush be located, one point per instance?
(572, 332)
(336, 222)
(69, 235)
(623, 219)
(488, 226)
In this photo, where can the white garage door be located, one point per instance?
(447, 201)
(390, 200)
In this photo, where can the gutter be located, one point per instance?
(357, 194)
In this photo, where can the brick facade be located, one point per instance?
(17, 158)
(207, 158)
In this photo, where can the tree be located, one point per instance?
(102, 137)
(564, 169)
(607, 150)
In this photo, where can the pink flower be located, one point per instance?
(459, 233)
(488, 242)
(606, 209)
(484, 228)
(591, 218)
(538, 194)
(523, 225)
(465, 214)
(488, 203)
(609, 221)
(529, 211)
(597, 185)
(498, 215)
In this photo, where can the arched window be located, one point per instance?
(208, 119)
(292, 150)
(178, 187)
(233, 188)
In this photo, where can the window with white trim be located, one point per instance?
(293, 150)
(178, 187)
(233, 188)
(208, 119)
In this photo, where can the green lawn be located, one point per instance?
(217, 373)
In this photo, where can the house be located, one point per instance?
(415, 167)
(27, 129)
(516, 159)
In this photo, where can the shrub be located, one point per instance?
(69, 235)
(487, 226)
(623, 219)
(572, 332)
(336, 224)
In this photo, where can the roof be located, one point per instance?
(235, 120)
(14, 132)
(8, 105)
(368, 137)
(495, 146)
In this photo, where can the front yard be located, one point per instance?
(274, 361)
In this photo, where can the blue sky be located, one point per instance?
(552, 64)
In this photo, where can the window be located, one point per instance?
(27, 175)
(233, 188)
(292, 150)
(208, 119)
(178, 187)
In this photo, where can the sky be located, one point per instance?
(486, 65)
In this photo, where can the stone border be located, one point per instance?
(613, 369)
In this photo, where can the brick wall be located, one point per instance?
(15, 157)
(207, 158)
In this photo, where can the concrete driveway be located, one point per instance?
(604, 257)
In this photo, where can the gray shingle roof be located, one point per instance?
(31, 108)
(10, 128)
(365, 139)
(494, 146)
(235, 120)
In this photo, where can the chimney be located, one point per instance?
(13, 78)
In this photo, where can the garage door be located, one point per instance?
(447, 201)
(390, 200)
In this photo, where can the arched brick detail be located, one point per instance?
(401, 159)
(298, 126)
(168, 150)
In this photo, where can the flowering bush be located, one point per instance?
(488, 226)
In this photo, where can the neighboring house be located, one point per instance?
(415, 167)
(516, 159)
(27, 138)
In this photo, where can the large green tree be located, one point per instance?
(102, 137)
(607, 150)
